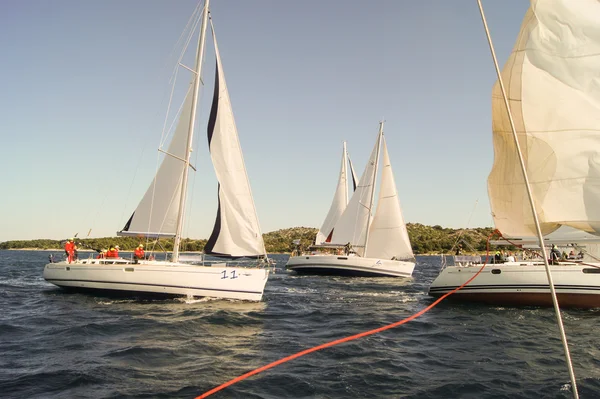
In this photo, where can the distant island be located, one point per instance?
(424, 240)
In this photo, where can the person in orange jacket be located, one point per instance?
(110, 253)
(116, 252)
(70, 250)
(139, 252)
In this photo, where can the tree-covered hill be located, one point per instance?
(424, 240)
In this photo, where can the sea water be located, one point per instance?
(55, 344)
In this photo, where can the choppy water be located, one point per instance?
(59, 345)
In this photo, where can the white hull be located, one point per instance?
(157, 277)
(523, 283)
(349, 266)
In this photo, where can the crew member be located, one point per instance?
(111, 253)
(139, 252)
(554, 255)
(70, 250)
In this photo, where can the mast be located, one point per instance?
(345, 172)
(374, 184)
(188, 148)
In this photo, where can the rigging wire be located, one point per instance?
(172, 80)
(165, 133)
(466, 227)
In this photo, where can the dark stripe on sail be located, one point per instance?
(218, 255)
(210, 244)
(354, 183)
(126, 228)
(329, 236)
(214, 108)
(210, 130)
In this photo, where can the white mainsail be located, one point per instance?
(552, 81)
(353, 223)
(340, 200)
(156, 214)
(236, 232)
(388, 237)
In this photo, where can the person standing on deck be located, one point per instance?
(554, 255)
(70, 250)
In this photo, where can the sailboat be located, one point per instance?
(551, 78)
(160, 213)
(353, 241)
(340, 199)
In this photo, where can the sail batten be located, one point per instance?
(551, 79)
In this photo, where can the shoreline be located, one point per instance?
(190, 252)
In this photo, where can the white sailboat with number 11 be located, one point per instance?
(160, 213)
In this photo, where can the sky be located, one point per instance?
(85, 89)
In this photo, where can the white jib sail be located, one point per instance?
(551, 79)
(236, 232)
(156, 214)
(388, 237)
(340, 200)
(353, 224)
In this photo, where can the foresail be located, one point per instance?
(156, 214)
(236, 232)
(388, 237)
(340, 200)
(352, 225)
(551, 79)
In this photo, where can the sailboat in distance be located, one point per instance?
(160, 213)
(358, 243)
(340, 199)
(551, 79)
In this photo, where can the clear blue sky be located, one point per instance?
(85, 89)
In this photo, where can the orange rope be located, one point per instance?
(346, 339)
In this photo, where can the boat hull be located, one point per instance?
(523, 284)
(154, 277)
(355, 266)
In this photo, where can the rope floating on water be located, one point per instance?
(342, 340)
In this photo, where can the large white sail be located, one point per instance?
(340, 200)
(156, 214)
(353, 223)
(551, 79)
(236, 232)
(388, 237)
